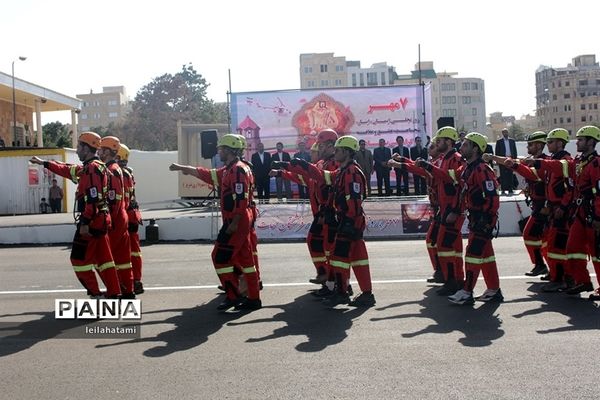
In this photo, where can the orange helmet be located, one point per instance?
(92, 139)
(111, 142)
(123, 152)
(327, 135)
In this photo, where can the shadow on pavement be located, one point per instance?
(480, 324)
(192, 327)
(18, 336)
(582, 313)
(305, 316)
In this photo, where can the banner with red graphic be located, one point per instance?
(294, 116)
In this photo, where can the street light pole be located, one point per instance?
(15, 101)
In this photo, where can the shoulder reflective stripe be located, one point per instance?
(136, 254)
(118, 197)
(123, 266)
(107, 265)
(327, 176)
(249, 270)
(84, 268)
(239, 196)
(577, 256)
(480, 260)
(360, 263)
(319, 259)
(535, 173)
(556, 256)
(339, 264)
(214, 177)
(596, 259)
(224, 270)
(301, 179)
(537, 243)
(565, 168)
(73, 171)
(327, 253)
(347, 197)
(431, 245)
(452, 174)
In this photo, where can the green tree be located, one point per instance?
(152, 122)
(516, 131)
(56, 134)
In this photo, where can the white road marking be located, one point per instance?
(214, 286)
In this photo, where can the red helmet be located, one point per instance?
(327, 135)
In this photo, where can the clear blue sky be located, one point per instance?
(502, 42)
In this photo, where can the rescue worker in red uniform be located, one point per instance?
(534, 234)
(134, 217)
(91, 247)
(584, 233)
(348, 185)
(447, 187)
(233, 246)
(406, 164)
(315, 240)
(480, 195)
(119, 234)
(558, 171)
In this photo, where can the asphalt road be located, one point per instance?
(413, 344)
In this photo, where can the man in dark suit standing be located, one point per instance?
(401, 176)
(303, 155)
(381, 155)
(261, 165)
(364, 158)
(506, 147)
(281, 155)
(418, 151)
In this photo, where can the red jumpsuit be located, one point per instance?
(119, 234)
(92, 251)
(559, 172)
(254, 210)
(480, 193)
(434, 227)
(235, 249)
(449, 239)
(534, 234)
(135, 220)
(583, 240)
(348, 185)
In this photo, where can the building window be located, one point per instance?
(466, 100)
(559, 84)
(582, 94)
(383, 79)
(449, 112)
(324, 82)
(568, 120)
(448, 86)
(567, 95)
(96, 116)
(113, 115)
(474, 86)
(567, 83)
(583, 82)
(338, 82)
(354, 79)
(554, 121)
(473, 111)
(466, 86)
(83, 116)
(561, 120)
(583, 106)
(323, 67)
(339, 68)
(112, 102)
(448, 99)
(595, 106)
(310, 83)
(583, 118)
(85, 104)
(362, 79)
(371, 78)
(308, 70)
(554, 97)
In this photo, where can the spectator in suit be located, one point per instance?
(364, 158)
(401, 176)
(461, 139)
(261, 165)
(303, 155)
(506, 147)
(381, 155)
(281, 155)
(419, 151)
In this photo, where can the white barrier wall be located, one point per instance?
(154, 182)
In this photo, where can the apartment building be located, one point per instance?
(100, 109)
(568, 97)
